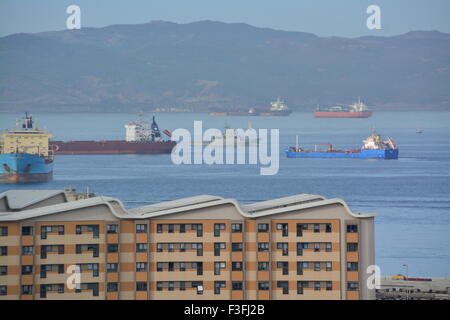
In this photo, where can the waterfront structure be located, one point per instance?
(204, 247)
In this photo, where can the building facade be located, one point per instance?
(204, 247)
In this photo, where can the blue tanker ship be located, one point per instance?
(373, 148)
(25, 154)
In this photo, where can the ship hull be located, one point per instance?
(334, 114)
(112, 147)
(350, 154)
(24, 167)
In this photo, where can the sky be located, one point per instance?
(345, 18)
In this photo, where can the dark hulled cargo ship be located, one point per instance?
(141, 138)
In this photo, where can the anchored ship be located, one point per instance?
(140, 138)
(25, 153)
(277, 108)
(373, 148)
(232, 137)
(356, 110)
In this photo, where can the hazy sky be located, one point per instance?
(322, 17)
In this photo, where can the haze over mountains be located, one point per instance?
(212, 64)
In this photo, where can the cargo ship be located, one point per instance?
(356, 110)
(140, 138)
(277, 108)
(373, 148)
(25, 153)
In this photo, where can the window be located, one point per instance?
(3, 270)
(182, 286)
(199, 248)
(141, 266)
(199, 266)
(316, 227)
(51, 229)
(141, 286)
(217, 247)
(111, 267)
(352, 286)
(171, 228)
(263, 246)
(352, 247)
(80, 248)
(170, 247)
(112, 287)
(352, 228)
(218, 285)
(329, 285)
(299, 248)
(300, 228)
(171, 266)
(27, 231)
(112, 228)
(171, 285)
(284, 266)
(236, 285)
(301, 285)
(236, 227)
(159, 286)
(94, 228)
(51, 248)
(218, 266)
(3, 290)
(283, 285)
(263, 227)
(141, 247)
(352, 266)
(3, 231)
(316, 266)
(263, 266)
(316, 247)
(263, 285)
(159, 266)
(3, 251)
(182, 266)
(182, 229)
(236, 266)
(141, 228)
(284, 228)
(284, 247)
(182, 247)
(112, 248)
(317, 285)
(299, 268)
(159, 228)
(27, 269)
(217, 228)
(27, 289)
(328, 247)
(27, 250)
(237, 247)
(199, 228)
(328, 266)
(328, 227)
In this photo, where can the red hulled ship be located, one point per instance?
(140, 139)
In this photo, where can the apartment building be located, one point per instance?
(204, 247)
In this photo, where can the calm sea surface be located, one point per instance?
(411, 195)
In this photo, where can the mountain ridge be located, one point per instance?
(205, 64)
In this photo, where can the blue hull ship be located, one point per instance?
(373, 148)
(25, 154)
(24, 167)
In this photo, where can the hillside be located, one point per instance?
(208, 64)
